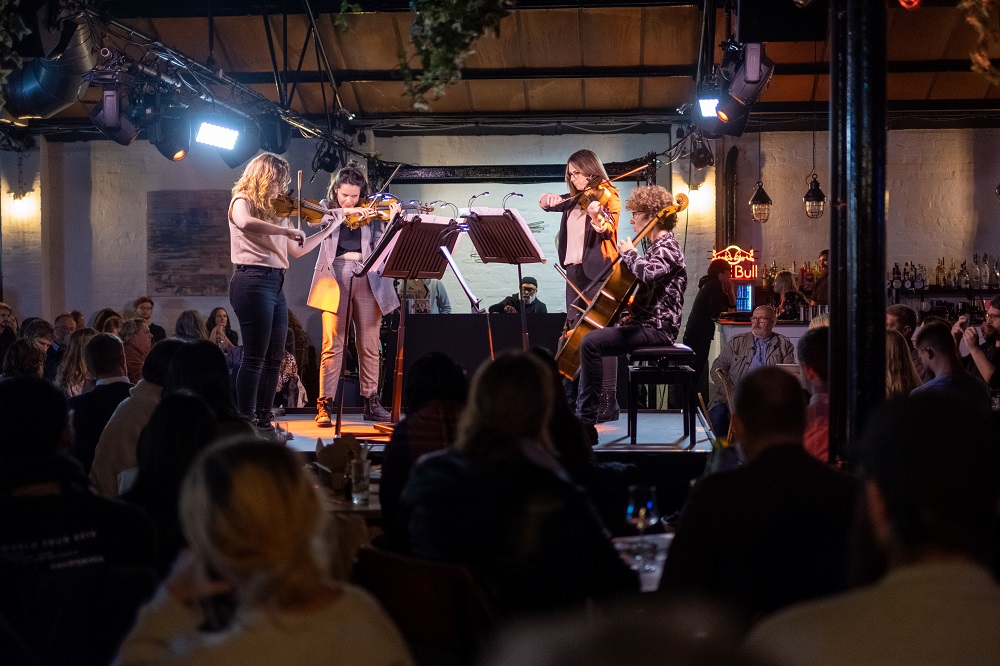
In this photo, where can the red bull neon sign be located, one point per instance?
(742, 263)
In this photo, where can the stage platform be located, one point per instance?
(658, 432)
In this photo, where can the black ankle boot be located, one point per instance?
(374, 411)
(608, 411)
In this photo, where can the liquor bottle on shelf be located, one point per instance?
(920, 280)
(953, 275)
(940, 273)
(964, 282)
(976, 279)
(897, 277)
(995, 274)
(907, 276)
(808, 279)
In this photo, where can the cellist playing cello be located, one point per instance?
(654, 315)
(588, 234)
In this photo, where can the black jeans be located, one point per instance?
(259, 303)
(612, 341)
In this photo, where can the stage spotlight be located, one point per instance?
(171, 133)
(246, 146)
(275, 134)
(752, 76)
(109, 116)
(217, 135)
(708, 98)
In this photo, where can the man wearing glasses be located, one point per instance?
(528, 298)
(759, 348)
(983, 358)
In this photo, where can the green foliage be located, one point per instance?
(443, 32)
(340, 18)
(12, 29)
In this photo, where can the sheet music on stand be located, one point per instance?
(419, 256)
(501, 235)
(411, 249)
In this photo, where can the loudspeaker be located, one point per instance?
(781, 21)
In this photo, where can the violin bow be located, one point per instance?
(610, 180)
(385, 185)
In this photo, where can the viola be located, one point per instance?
(313, 212)
(285, 205)
(602, 193)
(617, 284)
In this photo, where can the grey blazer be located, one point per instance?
(736, 357)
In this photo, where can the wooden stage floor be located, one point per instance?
(658, 432)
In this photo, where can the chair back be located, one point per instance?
(436, 605)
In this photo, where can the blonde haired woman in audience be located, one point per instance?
(791, 298)
(73, 377)
(254, 524)
(900, 374)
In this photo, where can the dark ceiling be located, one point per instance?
(616, 63)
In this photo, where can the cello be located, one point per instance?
(617, 284)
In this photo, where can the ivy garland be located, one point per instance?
(443, 32)
(982, 16)
(12, 29)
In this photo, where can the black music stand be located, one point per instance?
(410, 249)
(500, 235)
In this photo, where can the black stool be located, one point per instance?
(672, 365)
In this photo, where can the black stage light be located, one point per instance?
(247, 145)
(109, 116)
(170, 132)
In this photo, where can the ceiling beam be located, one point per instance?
(648, 71)
(152, 9)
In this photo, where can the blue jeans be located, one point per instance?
(612, 341)
(256, 296)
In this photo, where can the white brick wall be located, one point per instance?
(941, 201)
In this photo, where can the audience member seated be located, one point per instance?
(8, 329)
(39, 330)
(73, 377)
(939, 354)
(813, 353)
(73, 567)
(254, 520)
(433, 397)
(190, 326)
(112, 325)
(143, 307)
(63, 328)
(931, 491)
(759, 348)
(792, 300)
(983, 357)
(901, 375)
(500, 504)
(92, 411)
(774, 532)
(220, 330)
(101, 316)
(181, 426)
(25, 358)
(138, 341)
(606, 482)
(199, 367)
(903, 320)
(115, 454)
(79, 319)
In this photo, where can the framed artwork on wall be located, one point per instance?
(187, 243)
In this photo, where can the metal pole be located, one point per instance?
(865, 229)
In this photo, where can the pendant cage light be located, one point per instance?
(760, 203)
(814, 199)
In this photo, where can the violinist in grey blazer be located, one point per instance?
(342, 253)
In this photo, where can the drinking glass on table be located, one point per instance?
(643, 513)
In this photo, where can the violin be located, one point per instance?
(313, 212)
(380, 204)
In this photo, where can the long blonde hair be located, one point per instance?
(510, 399)
(251, 514)
(257, 180)
(900, 374)
(73, 371)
